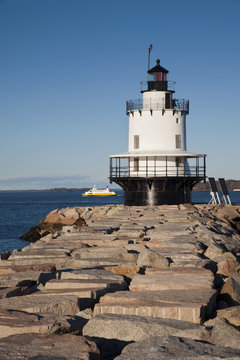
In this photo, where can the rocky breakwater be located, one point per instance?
(125, 282)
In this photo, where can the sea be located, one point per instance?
(19, 211)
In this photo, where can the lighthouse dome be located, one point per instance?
(157, 69)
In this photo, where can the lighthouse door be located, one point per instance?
(167, 101)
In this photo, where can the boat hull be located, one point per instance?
(99, 192)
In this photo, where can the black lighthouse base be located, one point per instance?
(157, 191)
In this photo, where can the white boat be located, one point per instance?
(99, 192)
(236, 189)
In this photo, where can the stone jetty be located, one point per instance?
(118, 282)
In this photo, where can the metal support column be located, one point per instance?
(204, 165)
(119, 166)
(110, 168)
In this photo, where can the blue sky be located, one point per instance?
(68, 66)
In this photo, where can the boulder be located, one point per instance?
(149, 258)
(26, 278)
(231, 314)
(172, 348)
(85, 284)
(186, 305)
(14, 322)
(127, 270)
(227, 211)
(179, 271)
(54, 222)
(6, 268)
(227, 264)
(135, 328)
(66, 216)
(51, 346)
(213, 251)
(231, 291)
(97, 252)
(38, 253)
(57, 261)
(169, 281)
(36, 303)
(34, 234)
(222, 332)
(88, 274)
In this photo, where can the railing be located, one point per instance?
(170, 85)
(117, 172)
(151, 104)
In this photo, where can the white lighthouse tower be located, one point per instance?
(157, 169)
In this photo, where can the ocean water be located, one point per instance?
(19, 211)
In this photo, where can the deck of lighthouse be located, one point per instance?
(153, 178)
(155, 164)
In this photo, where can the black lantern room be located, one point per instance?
(158, 78)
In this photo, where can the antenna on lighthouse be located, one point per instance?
(149, 51)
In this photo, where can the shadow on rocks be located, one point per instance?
(42, 229)
(5, 255)
(110, 348)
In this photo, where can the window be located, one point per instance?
(136, 141)
(178, 141)
(177, 121)
(136, 164)
(167, 101)
(160, 76)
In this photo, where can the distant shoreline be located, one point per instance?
(51, 190)
(48, 190)
(231, 184)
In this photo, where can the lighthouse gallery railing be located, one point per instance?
(139, 104)
(119, 170)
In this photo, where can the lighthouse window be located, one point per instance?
(177, 121)
(178, 142)
(136, 164)
(136, 141)
(158, 77)
(167, 101)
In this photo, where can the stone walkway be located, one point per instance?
(165, 263)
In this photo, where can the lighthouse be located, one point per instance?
(157, 169)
